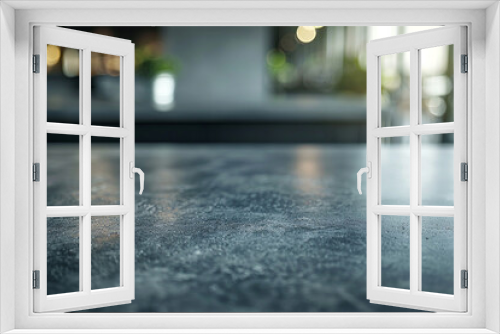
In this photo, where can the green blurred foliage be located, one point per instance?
(353, 78)
(149, 64)
(276, 59)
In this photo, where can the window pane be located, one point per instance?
(63, 255)
(395, 89)
(437, 84)
(105, 252)
(437, 169)
(63, 170)
(395, 239)
(437, 254)
(63, 84)
(105, 89)
(395, 171)
(105, 171)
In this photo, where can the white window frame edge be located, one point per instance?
(484, 146)
(7, 167)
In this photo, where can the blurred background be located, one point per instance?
(250, 139)
(246, 84)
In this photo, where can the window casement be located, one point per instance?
(85, 296)
(389, 141)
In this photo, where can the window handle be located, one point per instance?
(141, 175)
(368, 171)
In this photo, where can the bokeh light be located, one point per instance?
(163, 91)
(276, 58)
(53, 55)
(71, 62)
(306, 34)
(112, 65)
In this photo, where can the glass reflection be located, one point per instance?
(63, 84)
(395, 171)
(105, 89)
(395, 251)
(63, 170)
(437, 84)
(105, 171)
(437, 173)
(395, 89)
(105, 252)
(437, 254)
(63, 255)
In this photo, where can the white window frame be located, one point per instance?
(86, 297)
(414, 297)
(16, 28)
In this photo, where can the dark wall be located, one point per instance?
(253, 132)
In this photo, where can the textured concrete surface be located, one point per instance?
(255, 228)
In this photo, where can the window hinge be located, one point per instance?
(464, 172)
(36, 172)
(465, 64)
(36, 279)
(36, 63)
(465, 279)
